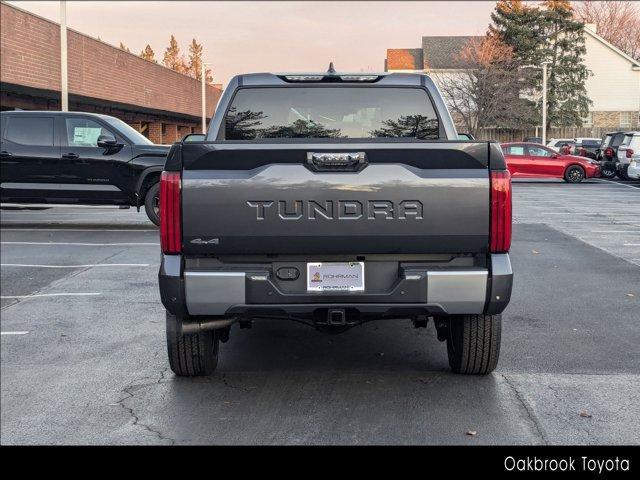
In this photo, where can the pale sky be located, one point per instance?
(243, 37)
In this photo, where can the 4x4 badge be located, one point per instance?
(200, 241)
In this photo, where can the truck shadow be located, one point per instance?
(280, 384)
(277, 345)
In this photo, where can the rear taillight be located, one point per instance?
(500, 235)
(629, 152)
(170, 224)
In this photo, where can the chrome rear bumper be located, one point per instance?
(470, 290)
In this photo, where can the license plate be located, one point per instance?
(335, 277)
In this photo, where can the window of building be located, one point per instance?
(28, 130)
(588, 120)
(625, 119)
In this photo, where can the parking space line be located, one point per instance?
(616, 231)
(78, 229)
(30, 213)
(78, 294)
(21, 206)
(616, 183)
(632, 244)
(594, 215)
(25, 265)
(80, 244)
(13, 333)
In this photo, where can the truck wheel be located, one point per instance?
(193, 354)
(574, 174)
(473, 343)
(152, 203)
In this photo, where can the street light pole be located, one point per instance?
(64, 87)
(204, 100)
(544, 103)
(203, 77)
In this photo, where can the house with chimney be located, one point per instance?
(613, 87)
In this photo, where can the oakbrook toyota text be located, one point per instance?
(569, 464)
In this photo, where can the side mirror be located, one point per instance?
(194, 137)
(107, 141)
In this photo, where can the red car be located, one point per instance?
(528, 160)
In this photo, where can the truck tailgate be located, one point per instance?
(266, 198)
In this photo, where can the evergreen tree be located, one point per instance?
(195, 62)
(564, 49)
(518, 26)
(172, 57)
(408, 126)
(148, 54)
(547, 34)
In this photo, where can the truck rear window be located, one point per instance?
(331, 112)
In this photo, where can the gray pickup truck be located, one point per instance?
(334, 199)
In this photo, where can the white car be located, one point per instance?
(628, 151)
(633, 171)
(556, 144)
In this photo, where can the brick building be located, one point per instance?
(162, 104)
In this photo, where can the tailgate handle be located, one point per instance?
(336, 161)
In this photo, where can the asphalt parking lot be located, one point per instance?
(83, 348)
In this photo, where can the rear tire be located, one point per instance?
(193, 354)
(574, 174)
(152, 203)
(473, 343)
(622, 173)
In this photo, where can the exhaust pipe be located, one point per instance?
(192, 327)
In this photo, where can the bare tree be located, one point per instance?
(488, 92)
(618, 22)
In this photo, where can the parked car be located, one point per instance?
(528, 160)
(586, 147)
(78, 158)
(607, 154)
(537, 140)
(334, 208)
(556, 144)
(628, 150)
(633, 171)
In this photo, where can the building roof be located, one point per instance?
(589, 29)
(444, 52)
(404, 59)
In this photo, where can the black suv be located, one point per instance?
(78, 158)
(608, 153)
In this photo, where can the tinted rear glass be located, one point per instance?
(330, 112)
(35, 131)
(591, 143)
